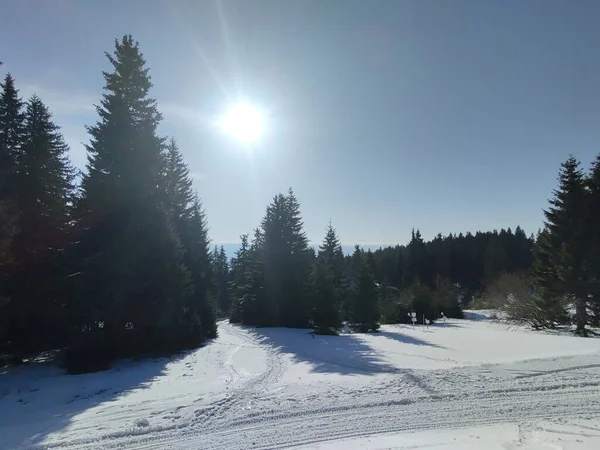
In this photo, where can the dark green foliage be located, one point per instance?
(446, 297)
(197, 260)
(273, 288)
(221, 279)
(143, 270)
(178, 184)
(12, 126)
(593, 236)
(41, 189)
(560, 267)
(327, 285)
(190, 223)
(467, 261)
(364, 296)
(240, 275)
(271, 277)
(12, 123)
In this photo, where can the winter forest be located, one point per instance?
(115, 261)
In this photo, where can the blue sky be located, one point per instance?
(447, 116)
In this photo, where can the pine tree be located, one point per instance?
(239, 280)
(286, 262)
(295, 309)
(133, 293)
(197, 258)
(560, 254)
(43, 185)
(328, 285)
(178, 184)
(593, 236)
(222, 278)
(12, 123)
(190, 222)
(44, 182)
(418, 268)
(365, 310)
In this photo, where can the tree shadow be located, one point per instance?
(39, 399)
(476, 316)
(346, 354)
(406, 339)
(446, 325)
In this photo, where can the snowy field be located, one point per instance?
(462, 384)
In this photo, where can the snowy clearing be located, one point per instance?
(459, 384)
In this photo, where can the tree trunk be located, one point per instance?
(581, 315)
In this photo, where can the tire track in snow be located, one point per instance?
(244, 393)
(288, 429)
(452, 398)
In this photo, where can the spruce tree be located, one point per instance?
(178, 184)
(132, 290)
(593, 236)
(190, 222)
(198, 261)
(295, 309)
(418, 267)
(12, 123)
(43, 186)
(560, 256)
(222, 278)
(365, 309)
(239, 280)
(327, 285)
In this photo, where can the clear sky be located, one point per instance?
(446, 115)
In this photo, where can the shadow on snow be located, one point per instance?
(346, 354)
(39, 399)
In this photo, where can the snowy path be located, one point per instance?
(274, 388)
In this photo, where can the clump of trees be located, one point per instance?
(114, 265)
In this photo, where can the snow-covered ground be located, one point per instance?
(462, 384)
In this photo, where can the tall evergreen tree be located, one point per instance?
(419, 267)
(295, 309)
(328, 270)
(560, 254)
(132, 289)
(287, 260)
(178, 184)
(198, 261)
(365, 309)
(240, 280)
(190, 222)
(12, 123)
(44, 182)
(43, 185)
(593, 236)
(222, 279)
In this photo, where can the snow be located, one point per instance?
(543, 435)
(459, 384)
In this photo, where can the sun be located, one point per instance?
(243, 122)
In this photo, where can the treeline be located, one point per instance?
(114, 262)
(279, 280)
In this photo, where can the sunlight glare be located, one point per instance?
(243, 122)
